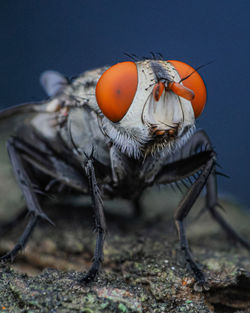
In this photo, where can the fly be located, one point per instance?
(113, 132)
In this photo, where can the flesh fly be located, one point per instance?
(113, 132)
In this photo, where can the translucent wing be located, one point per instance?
(53, 82)
(14, 117)
(10, 119)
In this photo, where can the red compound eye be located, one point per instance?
(193, 82)
(116, 89)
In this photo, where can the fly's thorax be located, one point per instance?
(82, 135)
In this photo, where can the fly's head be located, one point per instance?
(150, 105)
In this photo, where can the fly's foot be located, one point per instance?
(198, 274)
(10, 256)
(92, 273)
(196, 270)
(199, 287)
(89, 277)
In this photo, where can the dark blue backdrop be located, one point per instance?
(72, 36)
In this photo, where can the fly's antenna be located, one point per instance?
(196, 70)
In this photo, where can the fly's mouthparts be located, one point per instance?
(172, 132)
(160, 132)
(169, 132)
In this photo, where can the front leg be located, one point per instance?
(204, 163)
(187, 162)
(200, 138)
(183, 210)
(99, 220)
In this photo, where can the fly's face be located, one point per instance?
(153, 102)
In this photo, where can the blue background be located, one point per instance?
(73, 36)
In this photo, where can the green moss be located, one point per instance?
(122, 308)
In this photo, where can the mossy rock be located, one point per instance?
(143, 270)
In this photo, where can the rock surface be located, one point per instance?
(143, 270)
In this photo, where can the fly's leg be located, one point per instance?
(43, 158)
(99, 222)
(202, 163)
(183, 210)
(22, 239)
(33, 206)
(200, 138)
(211, 204)
(184, 165)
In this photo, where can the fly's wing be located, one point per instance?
(10, 194)
(10, 120)
(53, 82)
